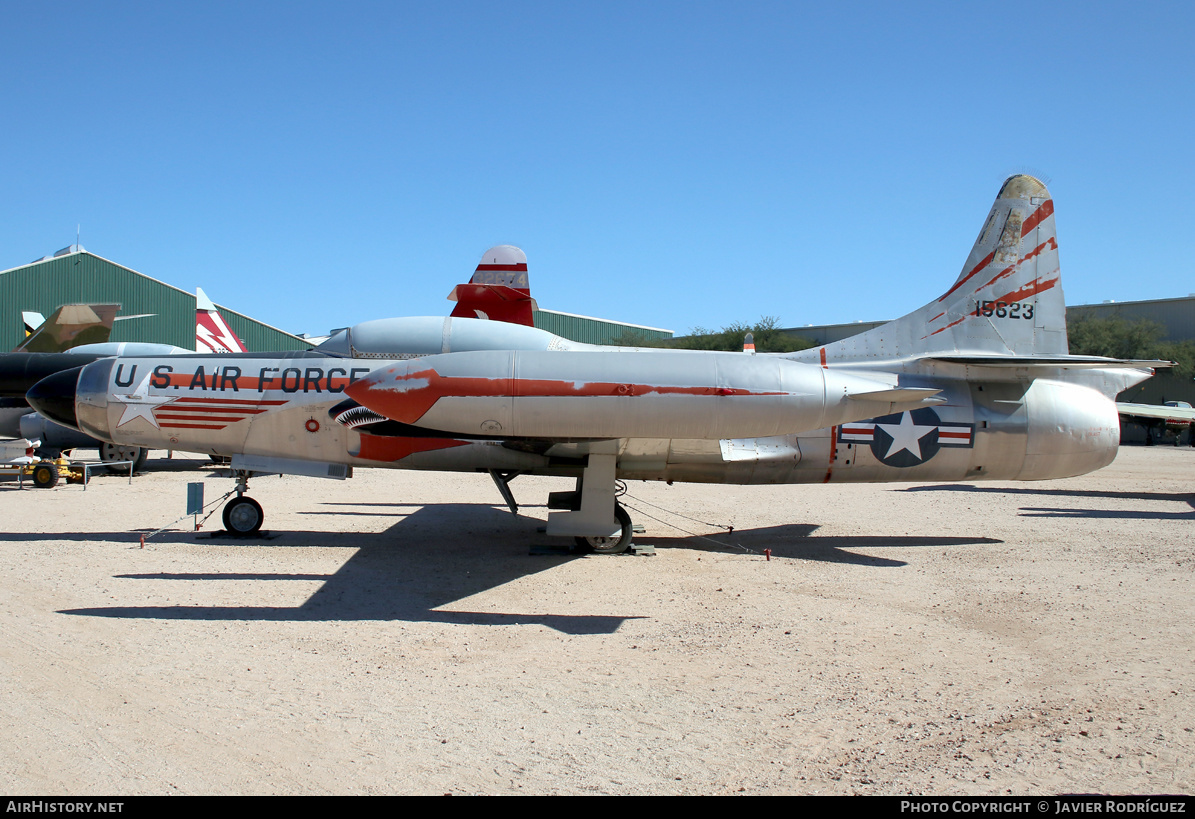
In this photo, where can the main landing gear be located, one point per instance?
(597, 522)
(614, 544)
(243, 515)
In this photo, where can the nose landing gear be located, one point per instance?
(242, 514)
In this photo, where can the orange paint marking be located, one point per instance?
(389, 449)
(403, 401)
(1038, 216)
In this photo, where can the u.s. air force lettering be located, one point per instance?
(231, 378)
(908, 438)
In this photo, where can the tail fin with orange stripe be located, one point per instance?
(1007, 301)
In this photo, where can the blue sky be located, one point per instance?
(675, 164)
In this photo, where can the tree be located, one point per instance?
(1121, 338)
(768, 338)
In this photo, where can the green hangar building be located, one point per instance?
(152, 310)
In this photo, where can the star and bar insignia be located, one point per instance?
(908, 438)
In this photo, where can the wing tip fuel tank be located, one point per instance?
(621, 395)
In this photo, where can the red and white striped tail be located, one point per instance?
(212, 333)
(499, 289)
(1006, 301)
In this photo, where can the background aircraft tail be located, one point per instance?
(499, 289)
(32, 320)
(212, 333)
(1006, 301)
(69, 326)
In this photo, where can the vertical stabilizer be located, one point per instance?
(1006, 301)
(499, 289)
(212, 333)
(69, 326)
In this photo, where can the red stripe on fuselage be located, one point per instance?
(388, 449)
(833, 453)
(181, 407)
(252, 402)
(408, 404)
(193, 426)
(207, 416)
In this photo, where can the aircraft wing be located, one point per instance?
(1159, 411)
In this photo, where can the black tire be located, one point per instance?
(45, 476)
(116, 452)
(610, 545)
(243, 516)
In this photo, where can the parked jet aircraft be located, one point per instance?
(58, 343)
(1173, 416)
(975, 385)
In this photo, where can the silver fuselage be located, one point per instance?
(1005, 426)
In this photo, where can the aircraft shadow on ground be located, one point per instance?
(413, 569)
(1037, 512)
(795, 541)
(406, 573)
(1054, 512)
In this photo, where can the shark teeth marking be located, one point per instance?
(359, 417)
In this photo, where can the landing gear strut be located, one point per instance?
(594, 518)
(242, 514)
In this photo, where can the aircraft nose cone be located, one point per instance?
(54, 397)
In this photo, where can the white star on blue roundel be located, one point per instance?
(906, 438)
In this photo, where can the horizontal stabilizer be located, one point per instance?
(1054, 361)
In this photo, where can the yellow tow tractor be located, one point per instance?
(44, 474)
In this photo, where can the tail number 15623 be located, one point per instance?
(1004, 309)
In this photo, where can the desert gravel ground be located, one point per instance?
(402, 633)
